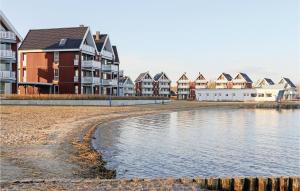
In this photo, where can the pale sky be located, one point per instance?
(258, 37)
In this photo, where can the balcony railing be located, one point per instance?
(147, 92)
(201, 86)
(183, 81)
(90, 64)
(109, 68)
(164, 92)
(7, 35)
(8, 54)
(109, 82)
(183, 86)
(164, 86)
(88, 49)
(106, 54)
(7, 75)
(183, 92)
(147, 86)
(90, 80)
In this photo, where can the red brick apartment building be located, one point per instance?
(161, 85)
(9, 40)
(64, 61)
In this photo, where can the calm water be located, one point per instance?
(206, 142)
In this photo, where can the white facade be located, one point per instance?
(183, 87)
(126, 88)
(272, 93)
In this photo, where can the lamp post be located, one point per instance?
(110, 93)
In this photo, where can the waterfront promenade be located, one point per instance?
(44, 142)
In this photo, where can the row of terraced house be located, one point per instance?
(60, 60)
(239, 88)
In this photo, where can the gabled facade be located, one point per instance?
(144, 85)
(241, 81)
(183, 87)
(224, 81)
(264, 83)
(59, 60)
(201, 82)
(290, 88)
(126, 87)
(9, 40)
(109, 84)
(161, 85)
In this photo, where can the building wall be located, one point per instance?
(259, 94)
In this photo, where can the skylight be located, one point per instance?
(62, 42)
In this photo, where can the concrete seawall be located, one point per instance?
(82, 102)
(197, 183)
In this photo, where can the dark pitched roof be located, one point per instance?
(157, 76)
(246, 77)
(227, 76)
(269, 81)
(122, 80)
(100, 43)
(116, 54)
(49, 38)
(289, 82)
(140, 76)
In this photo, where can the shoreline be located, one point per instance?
(66, 144)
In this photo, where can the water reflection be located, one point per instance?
(208, 142)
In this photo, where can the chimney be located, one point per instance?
(97, 35)
(81, 25)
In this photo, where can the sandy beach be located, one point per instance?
(53, 142)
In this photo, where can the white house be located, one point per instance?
(201, 82)
(290, 89)
(126, 86)
(270, 93)
(162, 85)
(263, 83)
(183, 87)
(144, 84)
(241, 80)
(224, 81)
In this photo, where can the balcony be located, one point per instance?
(147, 85)
(147, 92)
(109, 82)
(183, 92)
(164, 92)
(7, 75)
(184, 86)
(75, 78)
(202, 86)
(88, 49)
(183, 81)
(8, 54)
(76, 62)
(109, 68)
(90, 64)
(106, 54)
(7, 35)
(164, 86)
(90, 80)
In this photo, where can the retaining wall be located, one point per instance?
(82, 102)
(196, 183)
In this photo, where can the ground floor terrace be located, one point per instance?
(48, 143)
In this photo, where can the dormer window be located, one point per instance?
(62, 42)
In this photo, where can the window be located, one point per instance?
(24, 59)
(233, 94)
(226, 94)
(207, 94)
(253, 95)
(62, 42)
(215, 94)
(24, 75)
(76, 89)
(56, 57)
(56, 74)
(268, 95)
(220, 94)
(261, 95)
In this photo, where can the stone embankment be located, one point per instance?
(197, 183)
